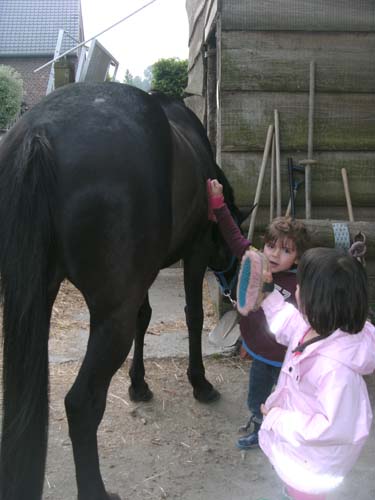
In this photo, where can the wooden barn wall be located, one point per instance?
(302, 15)
(197, 105)
(264, 49)
(201, 15)
(266, 66)
(196, 14)
(342, 122)
(242, 170)
(271, 61)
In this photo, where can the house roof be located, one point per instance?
(30, 27)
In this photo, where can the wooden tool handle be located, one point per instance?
(266, 153)
(347, 194)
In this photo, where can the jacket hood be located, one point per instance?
(357, 351)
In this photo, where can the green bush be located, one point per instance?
(11, 93)
(170, 76)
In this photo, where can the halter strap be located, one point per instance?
(301, 347)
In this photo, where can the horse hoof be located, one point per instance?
(144, 395)
(206, 396)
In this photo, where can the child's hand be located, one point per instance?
(215, 197)
(263, 410)
(216, 188)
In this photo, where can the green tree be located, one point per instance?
(11, 93)
(128, 78)
(142, 83)
(170, 76)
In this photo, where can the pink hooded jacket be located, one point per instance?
(319, 415)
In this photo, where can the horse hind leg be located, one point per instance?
(139, 389)
(107, 349)
(194, 269)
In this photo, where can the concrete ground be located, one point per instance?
(167, 300)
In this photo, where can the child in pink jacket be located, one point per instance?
(319, 416)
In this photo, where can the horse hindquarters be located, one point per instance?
(27, 188)
(114, 297)
(115, 237)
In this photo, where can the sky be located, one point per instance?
(158, 31)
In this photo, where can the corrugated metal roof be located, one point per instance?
(30, 27)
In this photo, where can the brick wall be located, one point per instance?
(35, 84)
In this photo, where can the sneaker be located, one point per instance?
(245, 428)
(248, 442)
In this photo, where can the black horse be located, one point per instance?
(104, 185)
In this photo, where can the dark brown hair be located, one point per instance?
(288, 228)
(333, 290)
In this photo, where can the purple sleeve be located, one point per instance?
(231, 232)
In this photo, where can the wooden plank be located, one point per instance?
(218, 91)
(370, 267)
(198, 105)
(194, 9)
(201, 16)
(327, 189)
(342, 121)
(196, 80)
(278, 61)
(304, 15)
(321, 233)
(196, 42)
(211, 93)
(210, 18)
(322, 213)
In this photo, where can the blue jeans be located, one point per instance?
(261, 381)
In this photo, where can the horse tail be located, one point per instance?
(27, 180)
